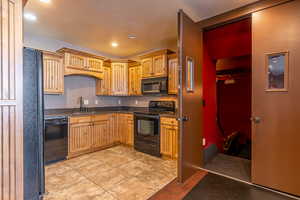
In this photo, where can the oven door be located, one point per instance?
(146, 125)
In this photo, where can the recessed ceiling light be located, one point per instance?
(114, 44)
(131, 36)
(30, 16)
(45, 1)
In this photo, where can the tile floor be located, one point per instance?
(117, 173)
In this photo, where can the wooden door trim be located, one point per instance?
(239, 13)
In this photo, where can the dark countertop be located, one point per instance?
(53, 113)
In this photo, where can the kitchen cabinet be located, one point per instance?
(134, 80)
(169, 137)
(119, 79)
(53, 73)
(103, 86)
(81, 63)
(173, 80)
(155, 64)
(126, 128)
(79, 138)
(101, 134)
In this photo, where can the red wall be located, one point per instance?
(224, 42)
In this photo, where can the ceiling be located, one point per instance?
(95, 24)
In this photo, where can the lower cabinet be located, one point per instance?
(79, 138)
(95, 132)
(126, 128)
(169, 137)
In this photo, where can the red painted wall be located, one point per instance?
(224, 42)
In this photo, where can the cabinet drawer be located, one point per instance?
(81, 119)
(168, 121)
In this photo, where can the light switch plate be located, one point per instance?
(203, 142)
(96, 102)
(136, 102)
(86, 102)
(119, 101)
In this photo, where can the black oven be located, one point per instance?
(155, 86)
(147, 133)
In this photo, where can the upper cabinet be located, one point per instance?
(134, 80)
(155, 64)
(173, 79)
(81, 63)
(103, 86)
(53, 73)
(119, 78)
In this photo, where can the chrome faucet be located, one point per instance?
(82, 108)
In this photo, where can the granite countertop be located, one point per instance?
(52, 113)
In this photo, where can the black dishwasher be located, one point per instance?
(56, 139)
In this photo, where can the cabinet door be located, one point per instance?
(100, 134)
(114, 131)
(138, 81)
(160, 66)
(119, 78)
(147, 68)
(103, 87)
(79, 138)
(166, 140)
(53, 74)
(95, 64)
(173, 76)
(75, 61)
(126, 129)
(130, 132)
(132, 81)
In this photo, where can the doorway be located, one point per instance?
(227, 99)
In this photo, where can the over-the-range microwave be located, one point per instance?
(155, 86)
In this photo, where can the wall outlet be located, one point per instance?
(96, 102)
(203, 142)
(136, 102)
(119, 102)
(86, 102)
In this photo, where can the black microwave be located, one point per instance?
(155, 86)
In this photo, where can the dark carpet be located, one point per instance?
(214, 187)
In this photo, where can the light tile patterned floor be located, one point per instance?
(117, 173)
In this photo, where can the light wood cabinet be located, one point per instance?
(126, 129)
(95, 64)
(101, 134)
(81, 63)
(173, 80)
(147, 70)
(53, 73)
(169, 137)
(155, 64)
(134, 80)
(103, 87)
(79, 138)
(119, 79)
(159, 66)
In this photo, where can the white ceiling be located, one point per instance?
(94, 24)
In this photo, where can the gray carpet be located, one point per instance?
(232, 166)
(214, 187)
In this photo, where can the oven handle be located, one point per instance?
(147, 116)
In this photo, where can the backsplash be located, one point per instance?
(76, 86)
(144, 100)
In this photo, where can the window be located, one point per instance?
(277, 71)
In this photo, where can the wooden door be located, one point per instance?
(190, 97)
(53, 73)
(147, 68)
(80, 137)
(100, 134)
(275, 128)
(11, 100)
(103, 87)
(173, 76)
(160, 66)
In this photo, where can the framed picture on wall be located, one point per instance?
(277, 70)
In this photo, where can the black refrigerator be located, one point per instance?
(34, 181)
